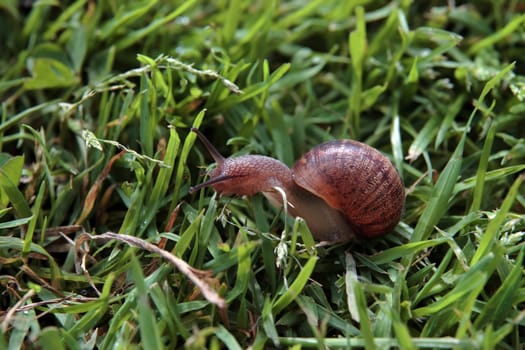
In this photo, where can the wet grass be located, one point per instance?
(98, 99)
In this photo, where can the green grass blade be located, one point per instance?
(492, 175)
(18, 244)
(381, 342)
(365, 325)
(164, 303)
(396, 141)
(187, 237)
(491, 84)
(118, 321)
(227, 338)
(21, 324)
(10, 167)
(15, 223)
(281, 139)
(186, 148)
(234, 14)
(435, 279)
(155, 200)
(132, 220)
(268, 321)
(89, 319)
(12, 192)
(299, 14)
(244, 272)
(482, 169)
(254, 89)
(472, 284)
(392, 254)
(467, 309)
(500, 306)
(471, 281)
(490, 235)
(136, 36)
(441, 194)
(295, 288)
(500, 35)
(205, 233)
(388, 31)
(350, 282)
(402, 331)
(123, 18)
(25, 115)
(148, 117)
(451, 114)
(28, 239)
(424, 137)
(357, 44)
(149, 329)
(61, 21)
(50, 338)
(49, 73)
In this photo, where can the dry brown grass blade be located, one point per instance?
(11, 312)
(198, 277)
(91, 197)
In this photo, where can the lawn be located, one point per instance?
(102, 245)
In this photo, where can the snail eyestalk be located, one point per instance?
(217, 157)
(210, 182)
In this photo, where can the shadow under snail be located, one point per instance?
(342, 188)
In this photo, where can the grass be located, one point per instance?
(98, 99)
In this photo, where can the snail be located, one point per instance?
(342, 188)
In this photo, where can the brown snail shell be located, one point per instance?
(356, 179)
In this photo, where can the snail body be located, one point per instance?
(341, 188)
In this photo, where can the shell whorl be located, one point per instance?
(356, 179)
